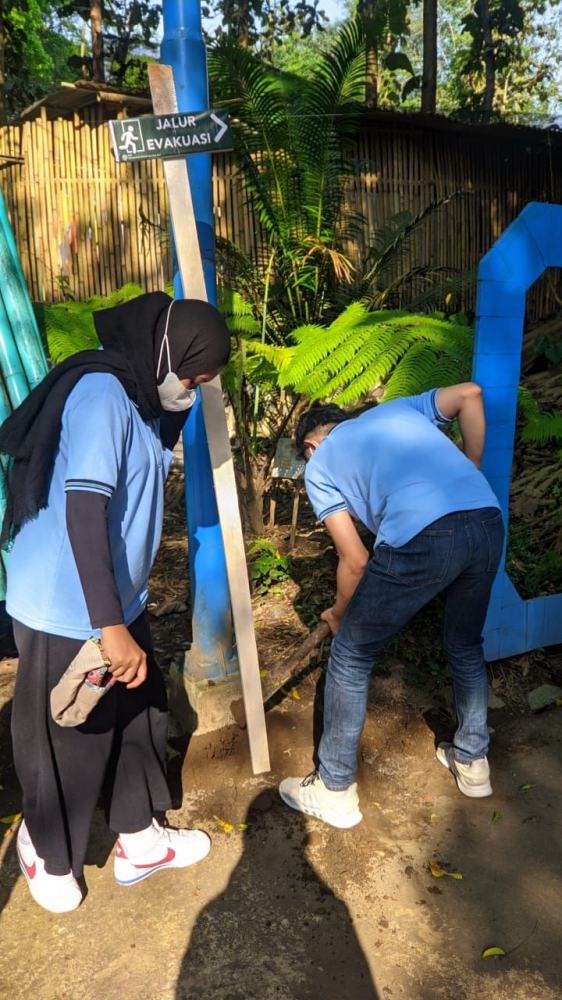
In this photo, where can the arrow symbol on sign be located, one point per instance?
(222, 127)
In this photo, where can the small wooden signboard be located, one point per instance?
(287, 465)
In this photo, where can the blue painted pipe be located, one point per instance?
(211, 655)
(22, 361)
(18, 306)
(13, 375)
(184, 50)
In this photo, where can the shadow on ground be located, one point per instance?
(277, 931)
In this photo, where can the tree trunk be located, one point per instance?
(371, 54)
(251, 485)
(3, 106)
(429, 78)
(98, 70)
(371, 77)
(489, 57)
(254, 496)
(243, 24)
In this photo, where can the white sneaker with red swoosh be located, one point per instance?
(57, 893)
(173, 849)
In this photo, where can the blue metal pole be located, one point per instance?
(211, 656)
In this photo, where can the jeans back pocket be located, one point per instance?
(424, 560)
(494, 531)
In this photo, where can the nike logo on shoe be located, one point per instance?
(29, 870)
(168, 857)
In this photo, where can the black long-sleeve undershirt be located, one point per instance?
(88, 531)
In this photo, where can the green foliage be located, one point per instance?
(385, 24)
(243, 372)
(68, 327)
(263, 25)
(523, 50)
(268, 567)
(298, 55)
(388, 276)
(540, 428)
(361, 349)
(527, 74)
(37, 47)
(129, 29)
(290, 138)
(534, 570)
(549, 347)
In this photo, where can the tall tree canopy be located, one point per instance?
(123, 34)
(505, 61)
(35, 49)
(262, 24)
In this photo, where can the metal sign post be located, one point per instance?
(166, 125)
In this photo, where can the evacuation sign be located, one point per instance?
(170, 135)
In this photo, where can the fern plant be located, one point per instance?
(68, 327)
(540, 428)
(361, 350)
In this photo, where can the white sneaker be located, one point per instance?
(173, 849)
(472, 779)
(310, 795)
(57, 893)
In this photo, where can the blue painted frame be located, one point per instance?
(531, 244)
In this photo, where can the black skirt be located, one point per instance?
(120, 748)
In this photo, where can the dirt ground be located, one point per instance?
(286, 908)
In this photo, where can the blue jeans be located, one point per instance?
(458, 554)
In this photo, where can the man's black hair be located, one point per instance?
(317, 416)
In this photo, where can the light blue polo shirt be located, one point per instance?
(393, 469)
(105, 447)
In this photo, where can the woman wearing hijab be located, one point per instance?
(88, 453)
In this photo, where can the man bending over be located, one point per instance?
(437, 527)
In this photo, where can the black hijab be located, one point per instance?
(131, 335)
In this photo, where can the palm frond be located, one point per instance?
(392, 244)
(445, 288)
(289, 143)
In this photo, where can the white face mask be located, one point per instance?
(172, 394)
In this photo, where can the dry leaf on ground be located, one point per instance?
(225, 827)
(436, 870)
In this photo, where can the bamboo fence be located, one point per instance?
(85, 225)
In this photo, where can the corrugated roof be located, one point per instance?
(74, 97)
